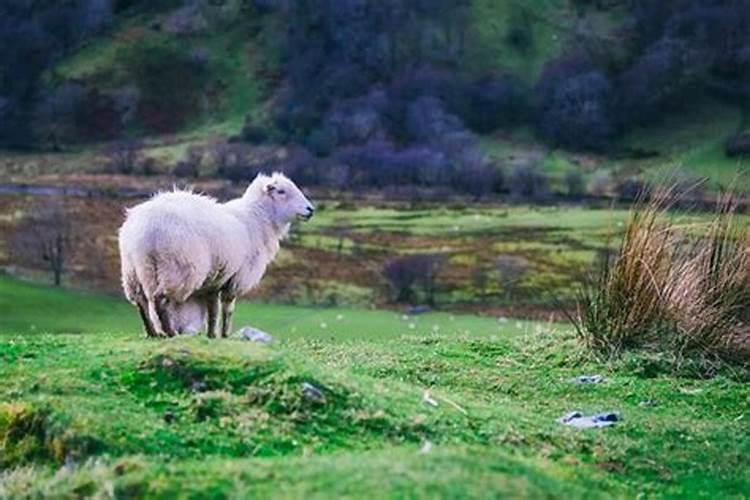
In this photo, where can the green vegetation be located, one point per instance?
(557, 247)
(133, 417)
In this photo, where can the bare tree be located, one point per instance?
(44, 238)
(341, 228)
(123, 155)
(511, 269)
(480, 280)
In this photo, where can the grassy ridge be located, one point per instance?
(138, 417)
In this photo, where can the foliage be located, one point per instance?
(408, 274)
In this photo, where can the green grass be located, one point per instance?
(692, 142)
(492, 24)
(197, 418)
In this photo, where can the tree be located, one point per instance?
(44, 238)
(414, 273)
(341, 228)
(56, 114)
(511, 269)
(123, 156)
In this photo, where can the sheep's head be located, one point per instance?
(285, 200)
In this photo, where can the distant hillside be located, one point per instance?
(415, 92)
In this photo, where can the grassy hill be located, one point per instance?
(91, 408)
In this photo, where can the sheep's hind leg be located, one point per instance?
(212, 306)
(143, 311)
(227, 312)
(160, 304)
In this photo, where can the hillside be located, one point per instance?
(453, 407)
(183, 77)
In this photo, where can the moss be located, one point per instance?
(30, 433)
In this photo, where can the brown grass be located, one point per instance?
(683, 290)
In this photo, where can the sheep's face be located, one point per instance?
(287, 200)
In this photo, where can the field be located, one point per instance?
(500, 260)
(91, 408)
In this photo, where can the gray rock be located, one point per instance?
(588, 379)
(579, 420)
(313, 393)
(417, 310)
(255, 335)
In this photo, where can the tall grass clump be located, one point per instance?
(672, 288)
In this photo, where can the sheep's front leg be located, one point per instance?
(228, 302)
(212, 306)
(160, 304)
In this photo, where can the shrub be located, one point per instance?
(528, 181)
(414, 273)
(632, 189)
(123, 156)
(601, 183)
(669, 290)
(574, 184)
(492, 103)
(578, 112)
(185, 169)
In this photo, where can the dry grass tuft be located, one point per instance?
(679, 289)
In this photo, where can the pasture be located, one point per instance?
(90, 407)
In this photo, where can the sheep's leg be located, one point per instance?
(143, 311)
(227, 312)
(212, 306)
(160, 303)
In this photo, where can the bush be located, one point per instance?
(492, 103)
(575, 187)
(169, 81)
(124, 156)
(632, 189)
(528, 181)
(669, 290)
(414, 273)
(578, 112)
(185, 169)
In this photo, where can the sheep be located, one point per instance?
(184, 255)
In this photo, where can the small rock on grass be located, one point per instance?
(255, 335)
(313, 393)
(578, 419)
(588, 379)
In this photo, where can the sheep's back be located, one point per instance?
(182, 242)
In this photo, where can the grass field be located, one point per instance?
(89, 407)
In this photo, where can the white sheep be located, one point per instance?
(183, 254)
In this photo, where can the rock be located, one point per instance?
(578, 419)
(313, 393)
(255, 335)
(417, 310)
(588, 379)
(428, 399)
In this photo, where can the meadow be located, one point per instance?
(401, 406)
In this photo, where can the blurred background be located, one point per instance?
(467, 155)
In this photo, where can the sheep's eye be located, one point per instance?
(281, 191)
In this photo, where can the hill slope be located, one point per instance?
(183, 74)
(101, 412)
